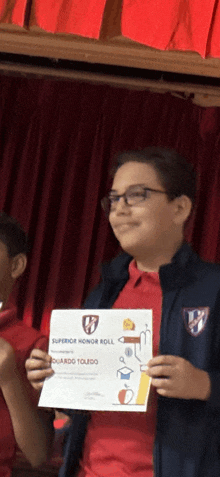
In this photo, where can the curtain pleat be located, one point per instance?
(57, 143)
(78, 17)
(186, 25)
(213, 43)
(12, 12)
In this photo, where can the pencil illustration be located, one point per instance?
(129, 339)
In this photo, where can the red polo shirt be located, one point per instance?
(121, 443)
(23, 339)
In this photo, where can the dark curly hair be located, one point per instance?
(13, 236)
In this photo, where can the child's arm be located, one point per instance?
(30, 432)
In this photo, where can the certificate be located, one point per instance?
(99, 360)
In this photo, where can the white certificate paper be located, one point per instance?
(99, 360)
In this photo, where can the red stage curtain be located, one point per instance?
(57, 140)
(188, 25)
(13, 12)
(78, 17)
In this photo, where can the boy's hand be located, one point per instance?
(176, 377)
(38, 367)
(7, 362)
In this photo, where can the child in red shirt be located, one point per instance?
(20, 422)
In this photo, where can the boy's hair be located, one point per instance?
(176, 175)
(13, 236)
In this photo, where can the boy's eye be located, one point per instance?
(113, 199)
(133, 195)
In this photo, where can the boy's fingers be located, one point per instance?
(35, 364)
(38, 360)
(167, 360)
(37, 385)
(160, 383)
(39, 354)
(37, 375)
(160, 371)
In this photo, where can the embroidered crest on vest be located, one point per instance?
(195, 319)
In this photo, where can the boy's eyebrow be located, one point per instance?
(132, 185)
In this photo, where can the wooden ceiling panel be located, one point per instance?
(117, 51)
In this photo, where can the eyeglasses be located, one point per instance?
(132, 197)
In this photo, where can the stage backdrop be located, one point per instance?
(57, 140)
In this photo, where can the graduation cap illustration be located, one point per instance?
(124, 373)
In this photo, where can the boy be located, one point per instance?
(20, 422)
(150, 201)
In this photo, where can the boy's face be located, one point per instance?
(149, 225)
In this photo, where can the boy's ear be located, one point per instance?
(183, 207)
(18, 266)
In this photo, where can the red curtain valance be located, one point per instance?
(186, 25)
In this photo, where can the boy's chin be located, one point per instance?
(132, 249)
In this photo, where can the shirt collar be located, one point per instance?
(180, 271)
(136, 276)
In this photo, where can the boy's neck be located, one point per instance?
(153, 262)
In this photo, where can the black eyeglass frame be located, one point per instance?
(106, 201)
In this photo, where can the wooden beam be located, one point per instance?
(112, 80)
(118, 52)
